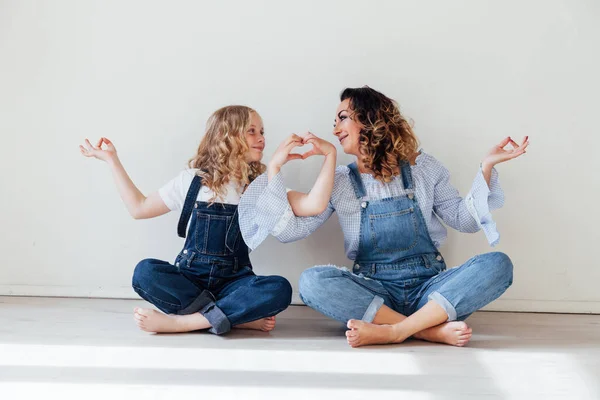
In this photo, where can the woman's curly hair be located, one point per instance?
(221, 156)
(386, 137)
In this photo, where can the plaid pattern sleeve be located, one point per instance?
(473, 212)
(265, 210)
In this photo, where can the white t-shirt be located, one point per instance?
(175, 191)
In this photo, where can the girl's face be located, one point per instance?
(255, 139)
(347, 129)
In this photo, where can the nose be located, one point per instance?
(336, 130)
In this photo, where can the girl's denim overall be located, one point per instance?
(398, 265)
(212, 274)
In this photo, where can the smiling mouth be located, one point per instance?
(259, 148)
(342, 138)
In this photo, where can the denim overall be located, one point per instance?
(398, 265)
(212, 274)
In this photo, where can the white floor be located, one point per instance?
(88, 349)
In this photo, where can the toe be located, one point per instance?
(144, 311)
(353, 324)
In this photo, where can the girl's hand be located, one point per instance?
(320, 146)
(283, 153)
(499, 154)
(109, 153)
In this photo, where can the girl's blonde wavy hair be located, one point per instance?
(386, 137)
(221, 156)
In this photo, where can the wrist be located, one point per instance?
(113, 161)
(486, 165)
(273, 170)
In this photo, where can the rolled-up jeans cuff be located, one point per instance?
(218, 320)
(375, 305)
(199, 303)
(445, 304)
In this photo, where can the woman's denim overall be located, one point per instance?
(398, 265)
(212, 274)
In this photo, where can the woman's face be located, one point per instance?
(255, 139)
(347, 129)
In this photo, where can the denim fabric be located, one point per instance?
(398, 265)
(212, 274)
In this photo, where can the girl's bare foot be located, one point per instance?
(154, 321)
(264, 324)
(364, 333)
(455, 333)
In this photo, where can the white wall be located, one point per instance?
(148, 74)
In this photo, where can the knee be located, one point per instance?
(142, 274)
(312, 280)
(278, 291)
(284, 293)
(502, 266)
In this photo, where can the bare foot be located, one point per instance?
(154, 321)
(364, 333)
(264, 324)
(455, 333)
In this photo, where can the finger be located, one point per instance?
(516, 154)
(99, 143)
(293, 144)
(295, 137)
(106, 140)
(89, 145)
(309, 136)
(514, 144)
(294, 156)
(309, 153)
(84, 151)
(504, 142)
(292, 139)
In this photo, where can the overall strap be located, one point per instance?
(407, 179)
(357, 183)
(190, 200)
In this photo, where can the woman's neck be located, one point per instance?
(364, 170)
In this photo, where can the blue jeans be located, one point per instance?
(406, 287)
(227, 295)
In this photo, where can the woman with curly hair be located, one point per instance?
(211, 285)
(390, 203)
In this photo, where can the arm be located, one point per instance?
(317, 200)
(265, 209)
(474, 211)
(138, 205)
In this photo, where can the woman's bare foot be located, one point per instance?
(154, 321)
(455, 333)
(364, 333)
(264, 324)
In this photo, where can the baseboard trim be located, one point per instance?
(509, 305)
(69, 291)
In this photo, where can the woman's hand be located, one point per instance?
(499, 154)
(108, 154)
(320, 146)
